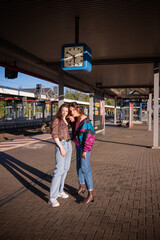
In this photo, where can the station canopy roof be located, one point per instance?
(124, 37)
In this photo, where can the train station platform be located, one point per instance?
(126, 176)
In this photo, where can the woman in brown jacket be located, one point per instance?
(63, 152)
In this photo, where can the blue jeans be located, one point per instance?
(83, 168)
(61, 169)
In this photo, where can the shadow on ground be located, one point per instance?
(121, 143)
(21, 171)
(30, 177)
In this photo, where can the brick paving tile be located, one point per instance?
(132, 236)
(122, 236)
(66, 233)
(47, 235)
(90, 236)
(109, 229)
(120, 216)
(79, 226)
(141, 235)
(117, 228)
(56, 234)
(78, 236)
(73, 235)
(126, 176)
(99, 234)
(37, 235)
(157, 232)
(125, 227)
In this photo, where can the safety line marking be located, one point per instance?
(12, 145)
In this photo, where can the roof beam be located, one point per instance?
(131, 86)
(116, 61)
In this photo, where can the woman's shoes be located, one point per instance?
(89, 199)
(82, 189)
(53, 202)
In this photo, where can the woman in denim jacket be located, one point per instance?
(84, 136)
(63, 152)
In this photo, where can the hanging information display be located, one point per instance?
(99, 111)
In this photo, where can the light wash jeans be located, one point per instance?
(61, 169)
(83, 168)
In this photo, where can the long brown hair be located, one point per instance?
(59, 114)
(76, 107)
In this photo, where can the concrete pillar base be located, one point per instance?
(156, 148)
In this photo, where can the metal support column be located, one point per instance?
(43, 111)
(104, 118)
(29, 111)
(12, 109)
(61, 90)
(140, 112)
(115, 104)
(156, 106)
(34, 110)
(24, 104)
(150, 112)
(91, 95)
(47, 110)
(51, 110)
(123, 114)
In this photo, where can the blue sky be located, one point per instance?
(23, 81)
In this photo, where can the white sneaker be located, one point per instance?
(53, 202)
(63, 195)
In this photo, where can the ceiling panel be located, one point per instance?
(112, 29)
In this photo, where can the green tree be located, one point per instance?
(2, 105)
(109, 102)
(69, 94)
(76, 95)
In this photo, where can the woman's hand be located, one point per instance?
(63, 152)
(84, 155)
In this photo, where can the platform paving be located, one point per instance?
(126, 176)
